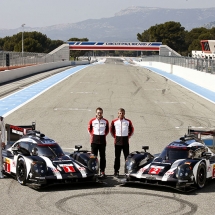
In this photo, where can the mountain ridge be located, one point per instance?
(124, 25)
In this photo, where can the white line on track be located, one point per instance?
(169, 102)
(86, 92)
(152, 89)
(76, 109)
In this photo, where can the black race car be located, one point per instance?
(183, 164)
(35, 159)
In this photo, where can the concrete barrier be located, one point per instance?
(80, 62)
(9, 75)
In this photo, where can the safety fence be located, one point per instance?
(27, 58)
(204, 65)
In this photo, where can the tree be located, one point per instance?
(1, 43)
(31, 45)
(194, 34)
(170, 33)
(33, 42)
(194, 37)
(54, 44)
(145, 36)
(8, 45)
(195, 45)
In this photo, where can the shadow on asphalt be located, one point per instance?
(110, 181)
(209, 188)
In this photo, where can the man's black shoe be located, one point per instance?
(102, 175)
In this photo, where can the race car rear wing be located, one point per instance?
(15, 132)
(203, 133)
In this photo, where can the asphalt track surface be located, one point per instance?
(160, 110)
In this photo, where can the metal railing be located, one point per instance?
(28, 58)
(204, 65)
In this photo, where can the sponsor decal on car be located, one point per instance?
(54, 170)
(168, 174)
(213, 171)
(82, 170)
(7, 164)
(140, 172)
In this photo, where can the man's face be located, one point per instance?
(121, 114)
(99, 114)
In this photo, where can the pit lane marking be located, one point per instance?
(75, 109)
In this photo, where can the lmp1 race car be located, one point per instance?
(35, 159)
(184, 164)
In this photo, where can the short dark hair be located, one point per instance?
(121, 110)
(99, 108)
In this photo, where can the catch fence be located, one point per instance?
(28, 58)
(204, 65)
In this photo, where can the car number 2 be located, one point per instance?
(154, 170)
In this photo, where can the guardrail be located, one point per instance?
(204, 65)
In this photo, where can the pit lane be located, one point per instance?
(160, 111)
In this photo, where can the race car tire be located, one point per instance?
(92, 164)
(21, 171)
(201, 175)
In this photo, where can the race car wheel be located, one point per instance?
(21, 171)
(201, 175)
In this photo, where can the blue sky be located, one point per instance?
(41, 13)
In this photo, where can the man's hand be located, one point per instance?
(3, 145)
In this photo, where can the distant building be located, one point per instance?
(208, 50)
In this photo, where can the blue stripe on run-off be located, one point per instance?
(201, 91)
(18, 99)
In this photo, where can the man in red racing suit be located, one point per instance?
(121, 129)
(98, 129)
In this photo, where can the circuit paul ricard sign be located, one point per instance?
(122, 46)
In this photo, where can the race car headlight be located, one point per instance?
(38, 168)
(130, 165)
(184, 172)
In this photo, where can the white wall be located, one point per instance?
(203, 79)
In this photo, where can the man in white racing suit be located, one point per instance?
(121, 129)
(2, 143)
(98, 128)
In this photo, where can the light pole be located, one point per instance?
(22, 38)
